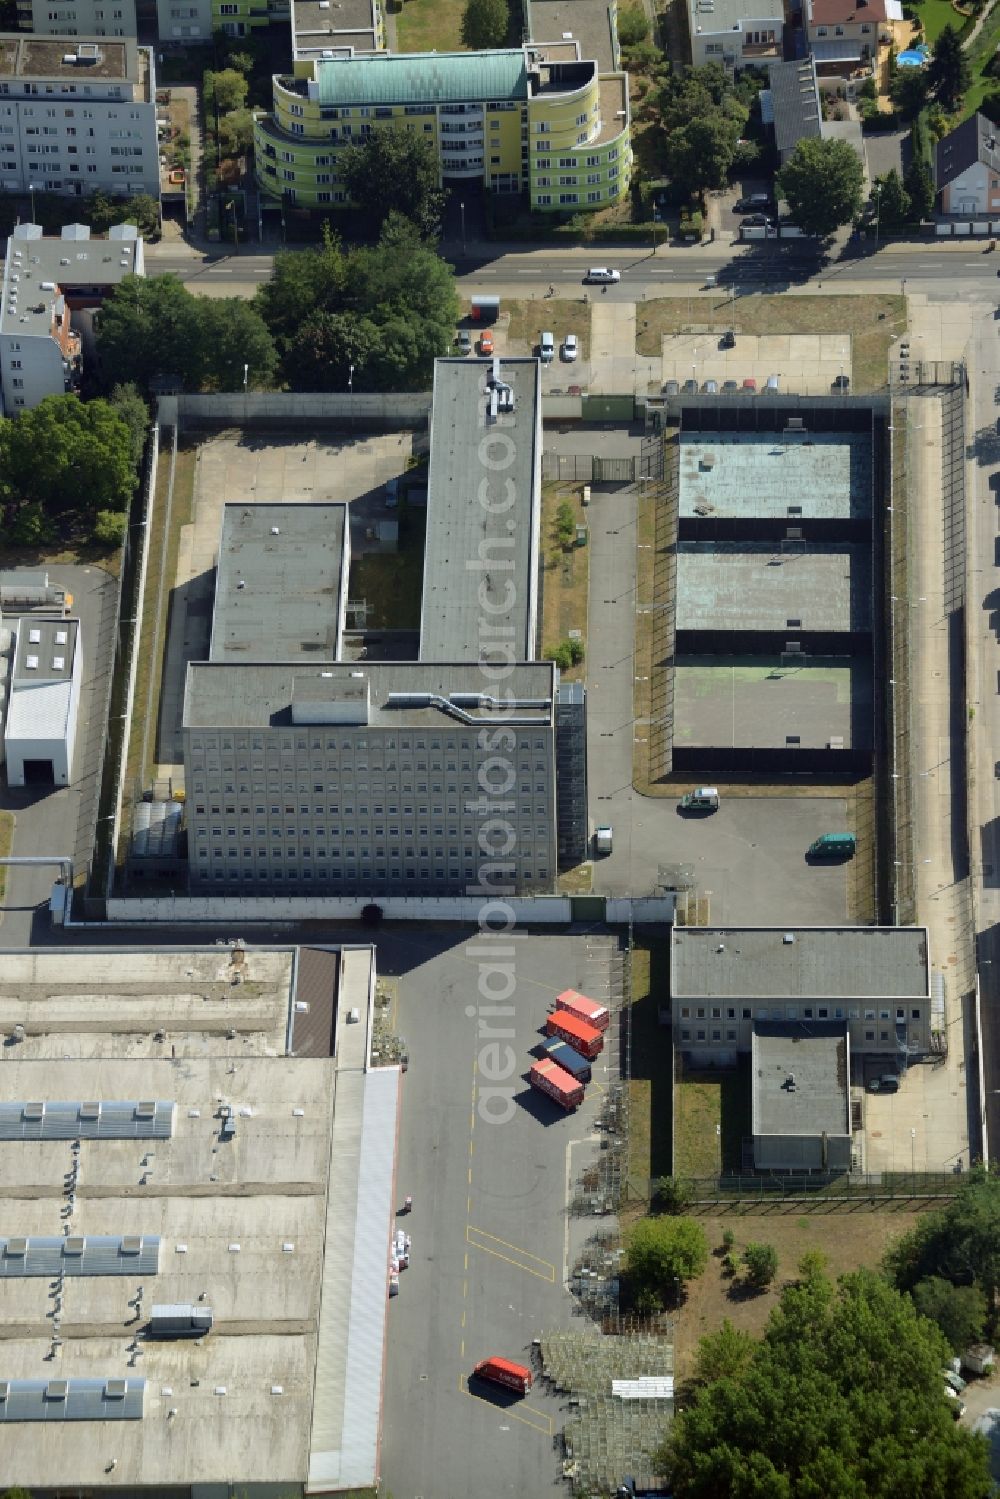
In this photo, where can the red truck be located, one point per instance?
(575, 1032)
(502, 1371)
(589, 1010)
(549, 1078)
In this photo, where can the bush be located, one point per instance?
(661, 1254)
(761, 1261)
(633, 27)
(575, 650)
(730, 1265)
(728, 1240)
(110, 527)
(31, 526)
(672, 1195)
(560, 655)
(565, 525)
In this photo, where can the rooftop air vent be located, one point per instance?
(75, 1244)
(33, 1111)
(115, 1389)
(16, 1248)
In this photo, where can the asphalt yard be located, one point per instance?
(491, 1239)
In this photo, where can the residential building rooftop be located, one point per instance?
(319, 24)
(732, 15)
(807, 962)
(40, 271)
(64, 57)
(413, 78)
(587, 22)
(483, 512)
(975, 140)
(793, 101)
(852, 12)
(281, 582)
(801, 1082)
(384, 695)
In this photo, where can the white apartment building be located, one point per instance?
(44, 280)
(77, 17)
(77, 115)
(184, 20)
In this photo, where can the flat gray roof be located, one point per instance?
(730, 585)
(758, 702)
(587, 21)
(280, 588)
(333, 23)
(733, 15)
(45, 649)
(819, 963)
(816, 1057)
(785, 475)
(103, 57)
(483, 513)
(38, 271)
(256, 694)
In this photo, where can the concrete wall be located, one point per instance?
(542, 910)
(292, 406)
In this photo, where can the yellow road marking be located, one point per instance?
(537, 1420)
(517, 1257)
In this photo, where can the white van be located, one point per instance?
(546, 348)
(602, 273)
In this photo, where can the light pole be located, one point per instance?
(236, 231)
(31, 190)
(913, 1152)
(246, 372)
(462, 209)
(877, 194)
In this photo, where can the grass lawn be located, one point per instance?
(555, 315)
(980, 57)
(155, 608)
(392, 582)
(566, 574)
(848, 1240)
(6, 843)
(934, 16)
(861, 317)
(650, 1142)
(430, 26)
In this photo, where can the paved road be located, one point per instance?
(946, 267)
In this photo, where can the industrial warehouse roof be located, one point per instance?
(95, 1120)
(807, 962)
(71, 1399)
(727, 585)
(800, 1078)
(221, 695)
(483, 498)
(79, 1254)
(423, 78)
(281, 582)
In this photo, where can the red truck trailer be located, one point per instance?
(575, 1032)
(589, 1010)
(549, 1078)
(502, 1371)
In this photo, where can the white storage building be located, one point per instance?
(43, 701)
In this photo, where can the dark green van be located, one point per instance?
(833, 846)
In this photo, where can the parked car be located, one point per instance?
(751, 201)
(690, 387)
(547, 348)
(486, 342)
(749, 383)
(730, 387)
(842, 383)
(711, 387)
(757, 221)
(570, 348)
(728, 340)
(602, 273)
(671, 387)
(463, 341)
(887, 1083)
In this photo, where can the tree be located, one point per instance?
(723, 1354)
(236, 132)
(633, 27)
(822, 182)
(662, 1251)
(894, 208)
(949, 73)
(327, 346)
(133, 411)
(919, 183)
(225, 90)
(909, 91)
(65, 454)
(673, 1194)
(812, 1265)
(959, 1311)
(237, 340)
(700, 153)
(302, 282)
(394, 171)
(485, 24)
(961, 1243)
(110, 527)
(761, 1261)
(842, 1396)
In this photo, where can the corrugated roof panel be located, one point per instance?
(93, 1254)
(423, 78)
(109, 1399)
(114, 1120)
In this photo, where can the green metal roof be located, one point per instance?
(423, 78)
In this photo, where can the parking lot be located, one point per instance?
(490, 1236)
(807, 363)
